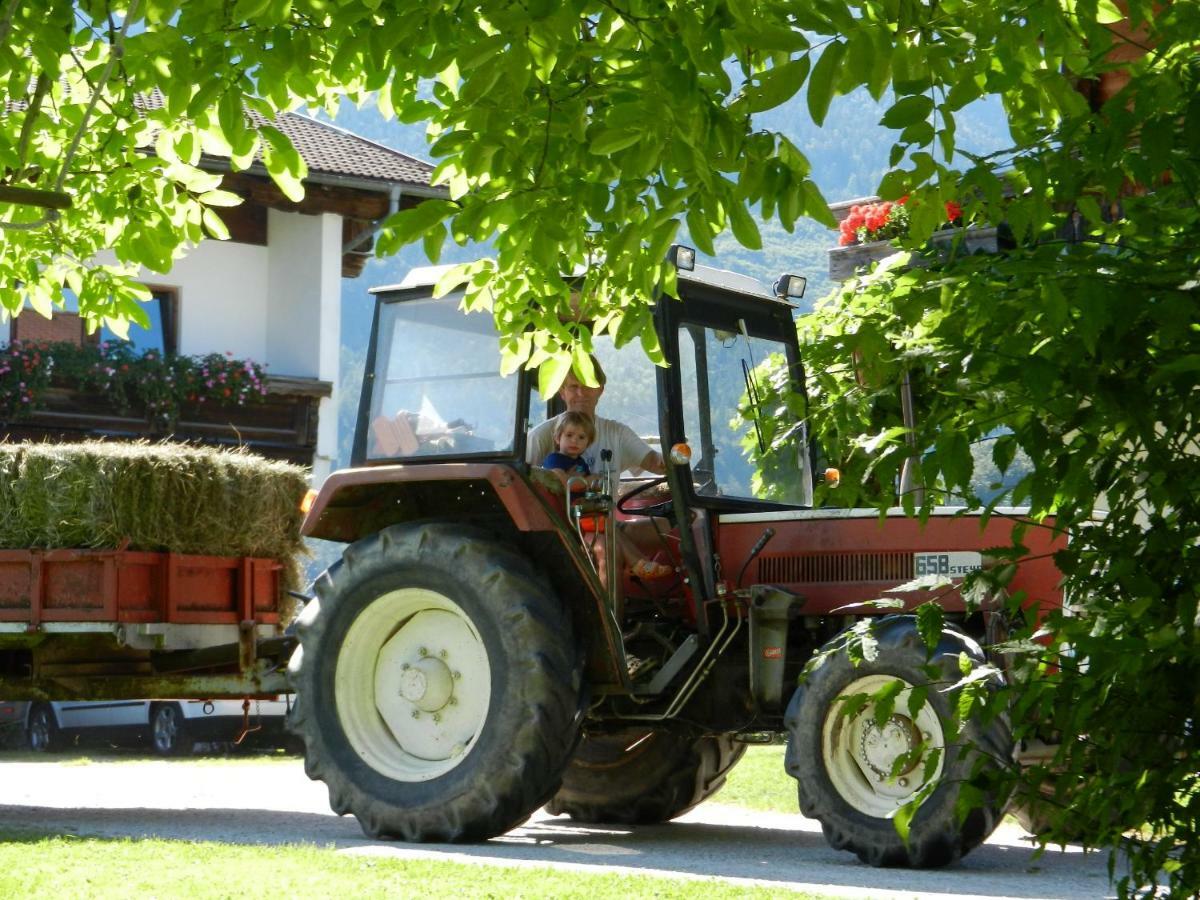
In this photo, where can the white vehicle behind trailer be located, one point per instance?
(173, 727)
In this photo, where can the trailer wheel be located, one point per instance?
(43, 733)
(642, 776)
(437, 685)
(169, 731)
(843, 762)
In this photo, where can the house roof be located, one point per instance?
(335, 154)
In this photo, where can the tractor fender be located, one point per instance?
(355, 502)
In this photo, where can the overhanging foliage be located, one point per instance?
(588, 133)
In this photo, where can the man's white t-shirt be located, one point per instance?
(628, 450)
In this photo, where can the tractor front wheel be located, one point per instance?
(854, 771)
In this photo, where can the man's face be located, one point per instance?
(578, 396)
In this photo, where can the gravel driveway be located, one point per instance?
(269, 802)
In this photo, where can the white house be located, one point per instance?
(272, 293)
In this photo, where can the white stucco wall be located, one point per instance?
(303, 311)
(304, 285)
(278, 305)
(222, 288)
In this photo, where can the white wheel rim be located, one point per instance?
(165, 729)
(412, 684)
(859, 755)
(39, 732)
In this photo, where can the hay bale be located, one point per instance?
(160, 497)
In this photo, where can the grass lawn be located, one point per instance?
(759, 781)
(40, 866)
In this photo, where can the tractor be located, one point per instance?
(468, 661)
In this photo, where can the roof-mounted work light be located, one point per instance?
(682, 258)
(790, 287)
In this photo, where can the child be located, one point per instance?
(574, 433)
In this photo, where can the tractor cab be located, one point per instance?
(433, 391)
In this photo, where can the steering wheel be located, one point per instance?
(663, 508)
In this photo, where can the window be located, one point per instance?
(163, 332)
(747, 441)
(436, 389)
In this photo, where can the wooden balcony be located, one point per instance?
(283, 426)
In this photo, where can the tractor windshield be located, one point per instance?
(741, 415)
(435, 387)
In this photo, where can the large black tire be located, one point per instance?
(42, 732)
(641, 776)
(842, 763)
(169, 730)
(438, 683)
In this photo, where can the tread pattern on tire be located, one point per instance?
(538, 717)
(936, 837)
(673, 773)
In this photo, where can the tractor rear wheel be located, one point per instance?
(854, 773)
(641, 776)
(437, 685)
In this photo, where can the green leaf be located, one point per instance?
(452, 279)
(552, 372)
(902, 819)
(213, 225)
(1003, 451)
(219, 198)
(700, 229)
(907, 110)
(777, 85)
(929, 625)
(609, 141)
(581, 362)
(284, 163)
(824, 79)
(406, 226)
(1108, 13)
(745, 229)
(885, 701)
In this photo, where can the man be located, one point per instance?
(628, 450)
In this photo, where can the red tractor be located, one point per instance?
(466, 662)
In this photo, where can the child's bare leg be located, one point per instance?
(632, 556)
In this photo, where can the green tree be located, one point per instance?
(590, 132)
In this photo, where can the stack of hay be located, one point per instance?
(158, 497)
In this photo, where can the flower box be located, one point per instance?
(846, 262)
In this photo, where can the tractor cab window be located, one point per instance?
(631, 394)
(741, 417)
(436, 388)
